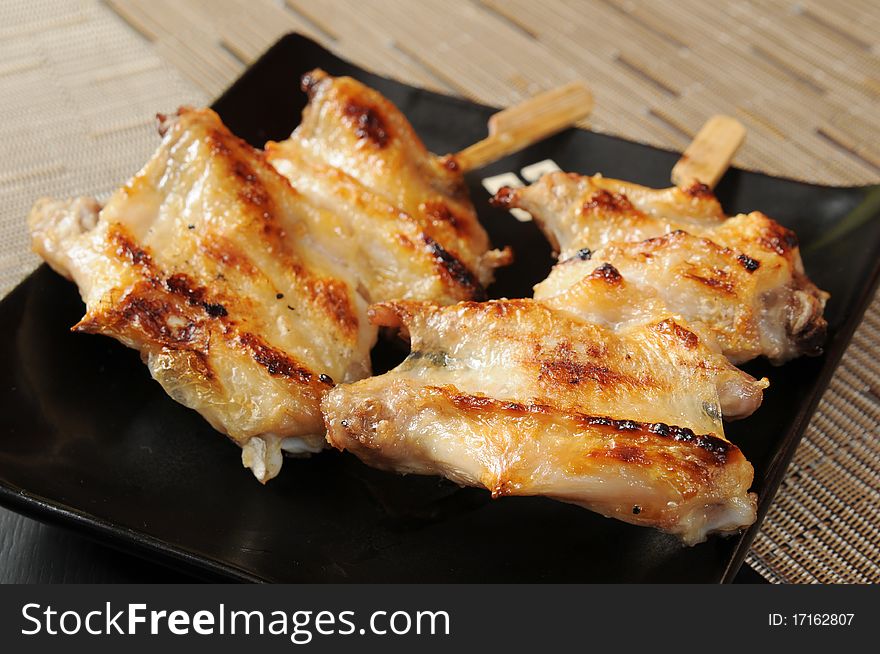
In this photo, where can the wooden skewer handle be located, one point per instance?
(521, 125)
(708, 156)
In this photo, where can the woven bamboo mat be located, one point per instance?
(82, 80)
(803, 76)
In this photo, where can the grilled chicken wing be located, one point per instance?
(213, 267)
(742, 277)
(246, 290)
(523, 399)
(403, 214)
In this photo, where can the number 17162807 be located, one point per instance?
(811, 619)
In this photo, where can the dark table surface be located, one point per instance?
(33, 552)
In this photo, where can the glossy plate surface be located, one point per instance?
(90, 441)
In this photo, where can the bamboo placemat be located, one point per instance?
(82, 81)
(804, 76)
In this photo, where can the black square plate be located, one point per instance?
(88, 440)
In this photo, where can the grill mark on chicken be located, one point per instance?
(151, 311)
(565, 368)
(148, 312)
(182, 284)
(276, 362)
(367, 123)
(699, 190)
(405, 241)
(658, 242)
(717, 450)
(453, 270)
(126, 247)
(152, 315)
(684, 336)
(226, 253)
(634, 436)
(250, 189)
(140, 312)
(567, 371)
(628, 454)
(440, 213)
(603, 201)
(201, 364)
(332, 295)
(778, 239)
(751, 265)
(677, 237)
(607, 273)
(718, 281)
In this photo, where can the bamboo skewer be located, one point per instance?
(708, 156)
(526, 123)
